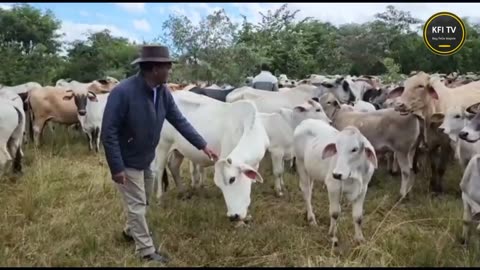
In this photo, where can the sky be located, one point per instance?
(143, 21)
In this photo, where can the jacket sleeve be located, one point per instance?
(115, 111)
(181, 124)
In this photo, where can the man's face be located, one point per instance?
(161, 72)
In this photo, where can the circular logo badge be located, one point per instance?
(444, 33)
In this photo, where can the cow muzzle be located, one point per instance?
(82, 112)
(239, 222)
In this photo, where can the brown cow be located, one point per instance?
(58, 104)
(422, 98)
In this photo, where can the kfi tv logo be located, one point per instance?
(444, 33)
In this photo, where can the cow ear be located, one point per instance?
(327, 85)
(473, 109)
(371, 156)
(300, 108)
(431, 91)
(396, 92)
(437, 118)
(329, 151)
(251, 173)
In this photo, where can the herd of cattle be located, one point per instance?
(333, 129)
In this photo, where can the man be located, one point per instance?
(132, 122)
(265, 80)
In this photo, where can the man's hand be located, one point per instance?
(210, 153)
(119, 178)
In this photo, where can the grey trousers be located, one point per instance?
(135, 192)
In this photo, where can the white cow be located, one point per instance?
(270, 102)
(235, 133)
(280, 127)
(360, 106)
(344, 160)
(454, 120)
(213, 86)
(21, 88)
(470, 187)
(12, 128)
(91, 122)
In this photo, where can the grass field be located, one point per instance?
(65, 211)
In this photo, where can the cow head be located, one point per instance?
(330, 104)
(453, 121)
(471, 132)
(235, 180)
(81, 98)
(311, 109)
(341, 88)
(353, 151)
(415, 96)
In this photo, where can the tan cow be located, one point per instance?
(425, 96)
(57, 104)
(175, 86)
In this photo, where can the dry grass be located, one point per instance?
(65, 211)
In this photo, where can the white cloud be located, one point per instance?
(5, 6)
(84, 13)
(195, 12)
(132, 7)
(341, 13)
(142, 25)
(74, 31)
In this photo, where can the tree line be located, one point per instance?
(222, 51)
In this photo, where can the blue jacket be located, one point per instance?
(132, 124)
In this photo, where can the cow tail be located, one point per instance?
(31, 119)
(16, 139)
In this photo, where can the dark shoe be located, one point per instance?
(157, 257)
(128, 237)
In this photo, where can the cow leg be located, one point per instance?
(467, 220)
(38, 126)
(5, 157)
(196, 171)
(90, 140)
(159, 164)
(443, 158)
(357, 215)
(14, 150)
(278, 169)
(433, 157)
(97, 143)
(334, 211)
(407, 174)
(306, 185)
(394, 164)
(174, 162)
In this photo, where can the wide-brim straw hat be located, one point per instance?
(154, 53)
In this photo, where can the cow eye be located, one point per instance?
(231, 180)
(457, 116)
(354, 150)
(318, 110)
(421, 86)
